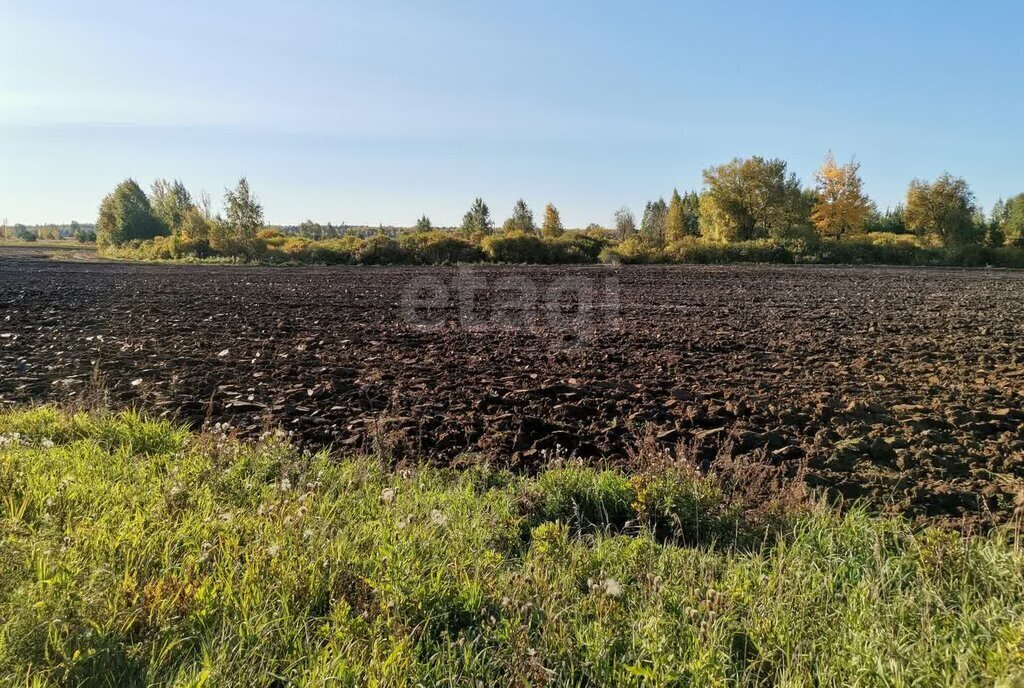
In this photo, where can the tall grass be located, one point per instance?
(133, 553)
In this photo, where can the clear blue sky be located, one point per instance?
(378, 112)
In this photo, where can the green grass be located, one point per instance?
(134, 553)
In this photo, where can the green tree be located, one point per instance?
(24, 233)
(750, 199)
(171, 201)
(244, 214)
(85, 236)
(126, 215)
(892, 221)
(1011, 220)
(312, 230)
(993, 228)
(652, 226)
(625, 223)
(691, 213)
(675, 219)
(196, 226)
(942, 210)
(423, 224)
(477, 219)
(521, 220)
(221, 237)
(552, 227)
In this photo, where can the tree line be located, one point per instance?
(83, 233)
(757, 198)
(744, 200)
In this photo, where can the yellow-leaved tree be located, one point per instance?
(842, 207)
(552, 227)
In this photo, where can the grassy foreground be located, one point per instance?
(133, 553)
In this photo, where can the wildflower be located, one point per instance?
(273, 550)
(47, 443)
(611, 587)
(12, 439)
(437, 518)
(286, 484)
(388, 494)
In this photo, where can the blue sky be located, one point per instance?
(379, 112)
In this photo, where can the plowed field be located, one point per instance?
(901, 386)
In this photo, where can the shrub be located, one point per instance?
(876, 248)
(516, 247)
(25, 234)
(191, 247)
(633, 250)
(439, 247)
(1006, 256)
(704, 251)
(342, 251)
(576, 248)
(159, 248)
(380, 250)
(294, 249)
(270, 235)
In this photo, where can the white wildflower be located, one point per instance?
(388, 494)
(611, 587)
(437, 518)
(12, 439)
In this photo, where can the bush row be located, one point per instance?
(416, 248)
(868, 249)
(439, 247)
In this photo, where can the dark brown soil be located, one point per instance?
(901, 386)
